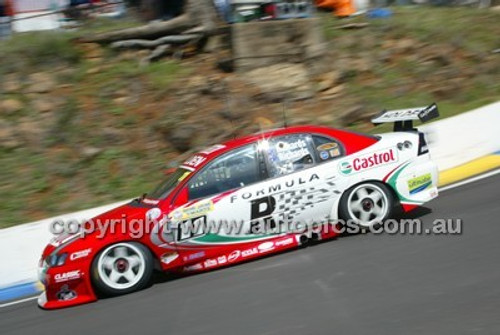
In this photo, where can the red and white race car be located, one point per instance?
(244, 199)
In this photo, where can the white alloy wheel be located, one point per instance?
(368, 204)
(121, 266)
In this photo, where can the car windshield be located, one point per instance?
(166, 186)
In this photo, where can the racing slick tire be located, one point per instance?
(366, 205)
(122, 268)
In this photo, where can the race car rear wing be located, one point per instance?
(403, 118)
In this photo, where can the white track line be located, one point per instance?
(449, 187)
(470, 180)
(17, 302)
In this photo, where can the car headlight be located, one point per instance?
(57, 260)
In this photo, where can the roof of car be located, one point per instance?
(352, 142)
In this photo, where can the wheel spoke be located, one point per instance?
(356, 206)
(129, 275)
(108, 263)
(364, 216)
(376, 196)
(114, 276)
(362, 193)
(121, 252)
(377, 210)
(134, 261)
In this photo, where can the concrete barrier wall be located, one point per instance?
(453, 141)
(465, 137)
(21, 246)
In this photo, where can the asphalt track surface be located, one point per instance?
(364, 284)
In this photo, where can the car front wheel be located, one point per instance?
(122, 268)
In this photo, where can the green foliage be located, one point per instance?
(38, 49)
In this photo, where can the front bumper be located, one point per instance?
(64, 287)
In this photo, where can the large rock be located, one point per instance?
(260, 44)
(31, 130)
(41, 83)
(284, 81)
(333, 92)
(8, 136)
(328, 80)
(11, 84)
(10, 106)
(44, 105)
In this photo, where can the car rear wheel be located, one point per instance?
(122, 268)
(367, 204)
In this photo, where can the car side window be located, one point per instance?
(289, 153)
(235, 169)
(327, 148)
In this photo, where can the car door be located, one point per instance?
(217, 207)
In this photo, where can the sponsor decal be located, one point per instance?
(67, 276)
(428, 113)
(324, 155)
(369, 161)
(186, 229)
(212, 149)
(419, 183)
(222, 260)
(266, 246)
(176, 215)
(284, 242)
(249, 252)
(287, 151)
(327, 146)
(194, 161)
(194, 256)
(331, 149)
(210, 263)
(181, 178)
(335, 152)
(233, 256)
(194, 267)
(80, 254)
(65, 294)
(169, 257)
(275, 188)
(345, 167)
(196, 210)
(150, 201)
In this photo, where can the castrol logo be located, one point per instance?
(368, 161)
